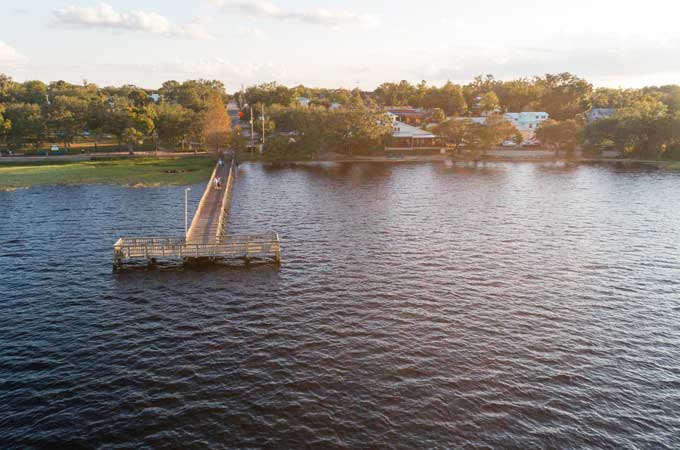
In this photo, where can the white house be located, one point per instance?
(303, 101)
(527, 122)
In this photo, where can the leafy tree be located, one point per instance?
(270, 94)
(449, 98)
(517, 95)
(563, 96)
(395, 94)
(196, 95)
(489, 103)
(67, 117)
(28, 124)
(174, 123)
(132, 136)
(216, 124)
(438, 115)
(5, 125)
(560, 135)
(457, 132)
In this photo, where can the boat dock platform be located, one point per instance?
(207, 240)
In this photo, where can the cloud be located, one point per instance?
(593, 57)
(222, 69)
(319, 16)
(106, 17)
(8, 54)
(251, 32)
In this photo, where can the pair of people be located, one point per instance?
(217, 182)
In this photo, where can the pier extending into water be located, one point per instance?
(207, 240)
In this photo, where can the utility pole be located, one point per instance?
(262, 124)
(252, 130)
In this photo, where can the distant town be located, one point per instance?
(561, 113)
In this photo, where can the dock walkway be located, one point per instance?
(207, 239)
(206, 227)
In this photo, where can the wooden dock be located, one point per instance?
(207, 240)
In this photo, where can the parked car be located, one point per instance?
(509, 143)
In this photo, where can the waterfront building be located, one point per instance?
(409, 115)
(407, 137)
(527, 122)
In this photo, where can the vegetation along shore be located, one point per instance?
(271, 122)
(136, 172)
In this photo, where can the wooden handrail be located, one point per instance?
(226, 200)
(203, 198)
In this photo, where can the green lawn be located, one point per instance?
(130, 172)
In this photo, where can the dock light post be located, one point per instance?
(186, 212)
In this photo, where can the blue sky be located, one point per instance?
(342, 43)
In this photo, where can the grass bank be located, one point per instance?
(138, 172)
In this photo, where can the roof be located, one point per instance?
(409, 131)
(525, 115)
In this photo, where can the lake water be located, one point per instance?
(418, 306)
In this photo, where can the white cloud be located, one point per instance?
(8, 54)
(222, 69)
(597, 58)
(251, 32)
(105, 16)
(319, 16)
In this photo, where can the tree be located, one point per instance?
(395, 94)
(517, 95)
(563, 96)
(131, 137)
(67, 117)
(438, 115)
(27, 124)
(489, 103)
(174, 123)
(560, 135)
(494, 131)
(457, 131)
(216, 124)
(5, 125)
(195, 95)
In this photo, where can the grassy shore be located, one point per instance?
(137, 172)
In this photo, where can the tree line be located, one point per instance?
(645, 123)
(33, 113)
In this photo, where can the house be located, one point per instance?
(409, 115)
(406, 137)
(155, 97)
(303, 101)
(596, 114)
(527, 122)
(335, 105)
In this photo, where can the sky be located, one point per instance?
(353, 43)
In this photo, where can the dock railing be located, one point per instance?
(201, 204)
(226, 202)
(264, 247)
(222, 247)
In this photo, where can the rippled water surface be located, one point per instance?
(418, 306)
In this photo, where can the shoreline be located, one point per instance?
(151, 172)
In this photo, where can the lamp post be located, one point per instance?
(186, 212)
